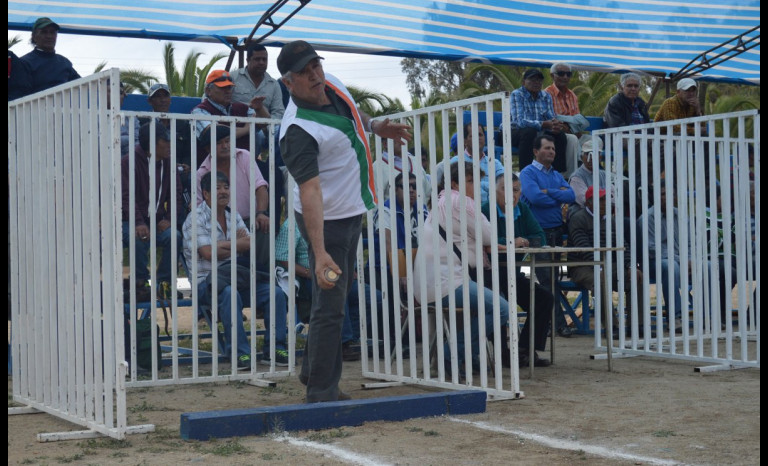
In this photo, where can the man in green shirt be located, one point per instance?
(527, 231)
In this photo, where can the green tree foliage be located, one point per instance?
(135, 79)
(13, 41)
(190, 80)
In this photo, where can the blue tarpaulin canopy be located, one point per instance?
(657, 36)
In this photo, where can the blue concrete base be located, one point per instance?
(260, 421)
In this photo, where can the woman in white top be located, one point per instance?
(447, 215)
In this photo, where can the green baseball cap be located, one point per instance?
(43, 22)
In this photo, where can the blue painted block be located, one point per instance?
(260, 421)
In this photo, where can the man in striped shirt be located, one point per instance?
(565, 102)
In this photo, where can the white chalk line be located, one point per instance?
(566, 444)
(340, 453)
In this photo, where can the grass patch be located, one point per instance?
(227, 448)
(431, 433)
(144, 407)
(664, 433)
(70, 459)
(414, 429)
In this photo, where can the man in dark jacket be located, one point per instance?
(47, 68)
(141, 198)
(581, 235)
(627, 108)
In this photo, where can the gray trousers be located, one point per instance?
(321, 367)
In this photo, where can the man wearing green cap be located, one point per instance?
(47, 68)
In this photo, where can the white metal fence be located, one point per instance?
(711, 178)
(396, 355)
(65, 256)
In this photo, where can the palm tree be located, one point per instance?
(13, 41)
(190, 81)
(135, 79)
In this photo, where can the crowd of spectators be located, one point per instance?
(546, 128)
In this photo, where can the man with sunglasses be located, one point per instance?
(566, 106)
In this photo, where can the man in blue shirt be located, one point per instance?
(532, 114)
(47, 68)
(548, 195)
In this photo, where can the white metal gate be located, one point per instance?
(720, 157)
(65, 257)
(418, 365)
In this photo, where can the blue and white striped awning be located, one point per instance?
(646, 35)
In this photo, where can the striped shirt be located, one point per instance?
(565, 103)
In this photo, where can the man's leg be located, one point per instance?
(522, 138)
(554, 238)
(322, 363)
(572, 153)
(142, 249)
(666, 265)
(225, 316)
(543, 303)
(561, 143)
(165, 265)
(263, 299)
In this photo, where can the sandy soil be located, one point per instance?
(647, 411)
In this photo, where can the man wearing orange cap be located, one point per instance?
(581, 235)
(218, 101)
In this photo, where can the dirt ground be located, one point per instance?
(647, 411)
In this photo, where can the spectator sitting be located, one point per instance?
(526, 229)
(218, 101)
(684, 104)
(47, 68)
(402, 228)
(483, 159)
(303, 271)
(667, 252)
(566, 106)
(581, 235)
(246, 186)
(548, 195)
(222, 241)
(451, 279)
(532, 113)
(159, 98)
(163, 196)
(581, 179)
(626, 107)
(387, 163)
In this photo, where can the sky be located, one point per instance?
(373, 73)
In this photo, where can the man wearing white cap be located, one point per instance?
(684, 104)
(581, 178)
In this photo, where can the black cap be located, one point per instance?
(222, 131)
(161, 132)
(43, 22)
(532, 72)
(294, 56)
